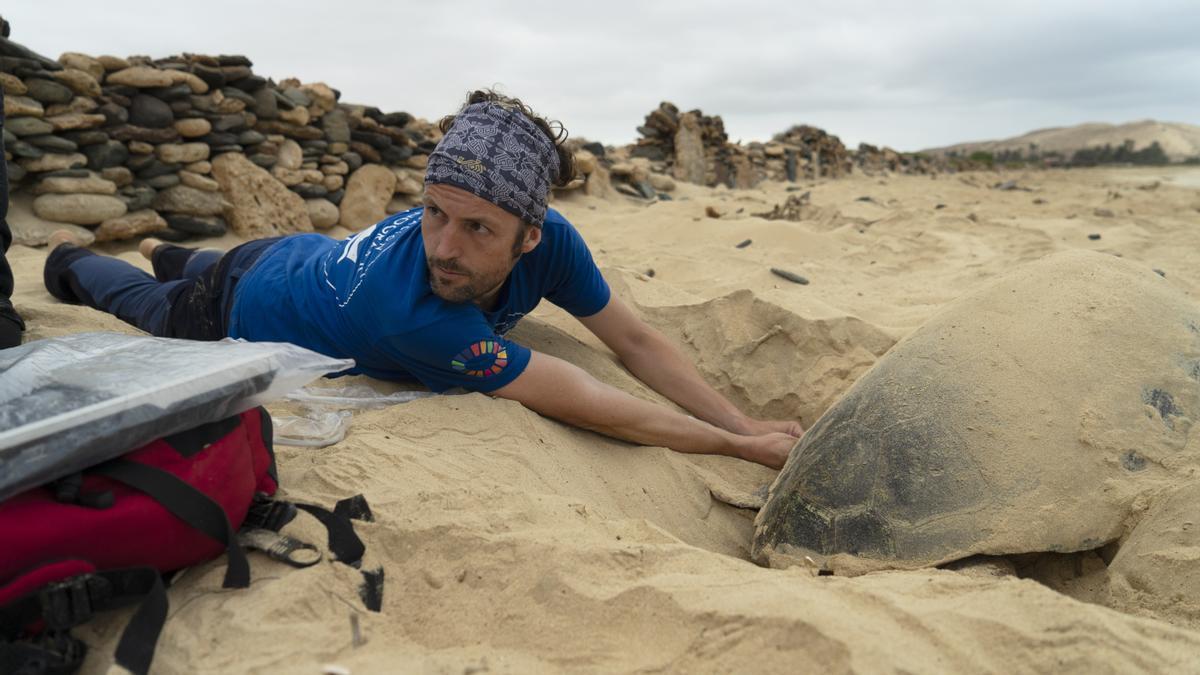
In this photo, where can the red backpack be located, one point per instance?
(103, 538)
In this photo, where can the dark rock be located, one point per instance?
(204, 103)
(336, 126)
(164, 181)
(177, 92)
(23, 149)
(646, 189)
(310, 191)
(336, 196)
(297, 97)
(9, 137)
(374, 113)
(352, 160)
(201, 226)
(596, 149)
(181, 108)
(234, 60)
(377, 141)
(28, 126)
(86, 137)
(138, 197)
(790, 161)
(212, 76)
(16, 65)
(218, 138)
(745, 243)
(1093, 236)
(265, 161)
(231, 122)
(114, 115)
(130, 132)
(281, 101)
(156, 168)
(150, 112)
(105, 155)
(235, 73)
(318, 147)
(238, 94)
(218, 149)
(396, 119)
(120, 93)
(654, 153)
(427, 146)
(250, 137)
(48, 91)
(52, 143)
(15, 173)
(1159, 272)
(172, 235)
(265, 105)
(790, 276)
(12, 49)
(396, 154)
(250, 84)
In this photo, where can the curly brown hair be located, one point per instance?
(553, 129)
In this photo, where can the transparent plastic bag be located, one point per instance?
(70, 402)
(313, 429)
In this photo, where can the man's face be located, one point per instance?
(471, 244)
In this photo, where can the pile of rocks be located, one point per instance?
(693, 147)
(872, 160)
(193, 144)
(801, 152)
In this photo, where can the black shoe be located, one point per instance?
(11, 325)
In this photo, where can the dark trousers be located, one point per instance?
(189, 296)
(10, 322)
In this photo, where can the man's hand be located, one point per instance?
(770, 450)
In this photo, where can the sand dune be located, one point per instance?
(1178, 140)
(512, 543)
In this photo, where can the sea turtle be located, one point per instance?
(1028, 416)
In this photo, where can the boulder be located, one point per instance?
(89, 65)
(80, 209)
(130, 225)
(141, 77)
(47, 91)
(259, 205)
(322, 213)
(150, 112)
(190, 201)
(182, 153)
(92, 184)
(689, 150)
(78, 81)
(367, 195)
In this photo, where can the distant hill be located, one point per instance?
(1179, 141)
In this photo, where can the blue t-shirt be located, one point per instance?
(367, 297)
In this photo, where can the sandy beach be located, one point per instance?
(512, 543)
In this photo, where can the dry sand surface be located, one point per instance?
(514, 544)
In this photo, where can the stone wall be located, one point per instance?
(193, 145)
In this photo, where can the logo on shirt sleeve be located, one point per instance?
(482, 359)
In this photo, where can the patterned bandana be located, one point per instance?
(499, 155)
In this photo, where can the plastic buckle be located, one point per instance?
(73, 601)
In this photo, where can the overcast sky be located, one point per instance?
(909, 74)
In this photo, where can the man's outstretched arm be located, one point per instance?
(655, 360)
(557, 389)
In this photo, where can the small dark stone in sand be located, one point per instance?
(665, 197)
(1093, 236)
(745, 243)
(1159, 272)
(790, 276)
(650, 272)
(939, 206)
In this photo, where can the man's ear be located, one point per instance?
(533, 237)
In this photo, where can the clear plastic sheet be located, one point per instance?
(355, 396)
(70, 402)
(326, 412)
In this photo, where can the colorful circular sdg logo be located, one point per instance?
(482, 359)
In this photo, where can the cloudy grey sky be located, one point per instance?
(909, 74)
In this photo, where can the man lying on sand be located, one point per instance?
(428, 294)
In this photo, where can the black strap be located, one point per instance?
(135, 651)
(189, 505)
(343, 542)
